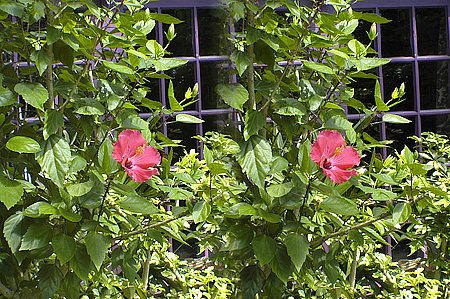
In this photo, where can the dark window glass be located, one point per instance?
(183, 78)
(439, 124)
(212, 31)
(152, 88)
(360, 32)
(211, 74)
(395, 74)
(431, 31)
(434, 85)
(183, 133)
(399, 133)
(364, 91)
(396, 35)
(221, 123)
(182, 44)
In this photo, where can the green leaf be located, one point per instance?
(298, 248)
(64, 247)
(11, 191)
(50, 279)
(73, 217)
(241, 60)
(37, 236)
(12, 229)
(278, 190)
(71, 286)
(374, 18)
(81, 263)
(318, 67)
(339, 205)
(255, 159)
(12, 8)
(164, 64)
(381, 106)
(364, 64)
(384, 178)
(269, 217)
(234, 95)
(97, 247)
(117, 67)
(53, 35)
(33, 93)
(54, 121)
(274, 287)
(6, 97)
(164, 18)
(88, 106)
(252, 281)
(188, 119)
(254, 121)
(265, 248)
(201, 211)
(80, 188)
(281, 264)
(401, 213)
(278, 165)
(137, 204)
(54, 158)
(23, 144)
(174, 105)
(105, 158)
(41, 60)
(395, 119)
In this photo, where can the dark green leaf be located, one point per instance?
(254, 121)
(41, 61)
(54, 158)
(274, 287)
(88, 106)
(71, 216)
(105, 158)
(265, 248)
(137, 204)
(298, 248)
(64, 247)
(37, 236)
(71, 286)
(252, 281)
(281, 264)
(130, 268)
(374, 18)
(53, 35)
(255, 159)
(11, 191)
(54, 121)
(12, 8)
(201, 211)
(23, 144)
(318, 67)
(234, 94)
(81, 263)
(33, 93)
(97, 247)
(50, 279)
(241, 60)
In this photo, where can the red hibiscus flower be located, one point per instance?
(330, 152)
(136, 156)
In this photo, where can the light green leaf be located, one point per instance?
(73, 217)
(54, 121)
(80, 188)
(137, 204)
(12, 229)
(318, 67)
(395, 119)
(37, 236)
(97, 247)
(401, 213)
(163, 64)
(54, 158)
(23, 144)
(298, 248)
(265, 248)
(278, 165)
(6, 97)
(33, 93)
(11, 191)
(12, 8)
(117, 67)
(254, 121)
(88, 106)
(164, 18)
(269, 217)
(64, 247)
(188, 119)
(105, 158)
(201, 211)
(255, 159)
(381, 106)
(234, 94)
(339, 205)
(174, 105)
(278, 190)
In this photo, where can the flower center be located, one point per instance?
(326, 164)
(139, 151)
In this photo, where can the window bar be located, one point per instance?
(380, 74)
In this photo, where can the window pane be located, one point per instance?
(221, 123)
(399, 133)
(396, 35)
(439, 124)
(183, 78)
(364, 91)
(182, 44)
(360, 32)
(183, 133)
(431, 31)
(211, 74)
(212, 31)
(434, 85)
(395, 74)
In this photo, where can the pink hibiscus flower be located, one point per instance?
(136, 156)
(330, 152)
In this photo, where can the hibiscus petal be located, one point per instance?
(141, 175)
(338, 175)
(149, 158)
(127, 144)
(326, 144)
(347, 159)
